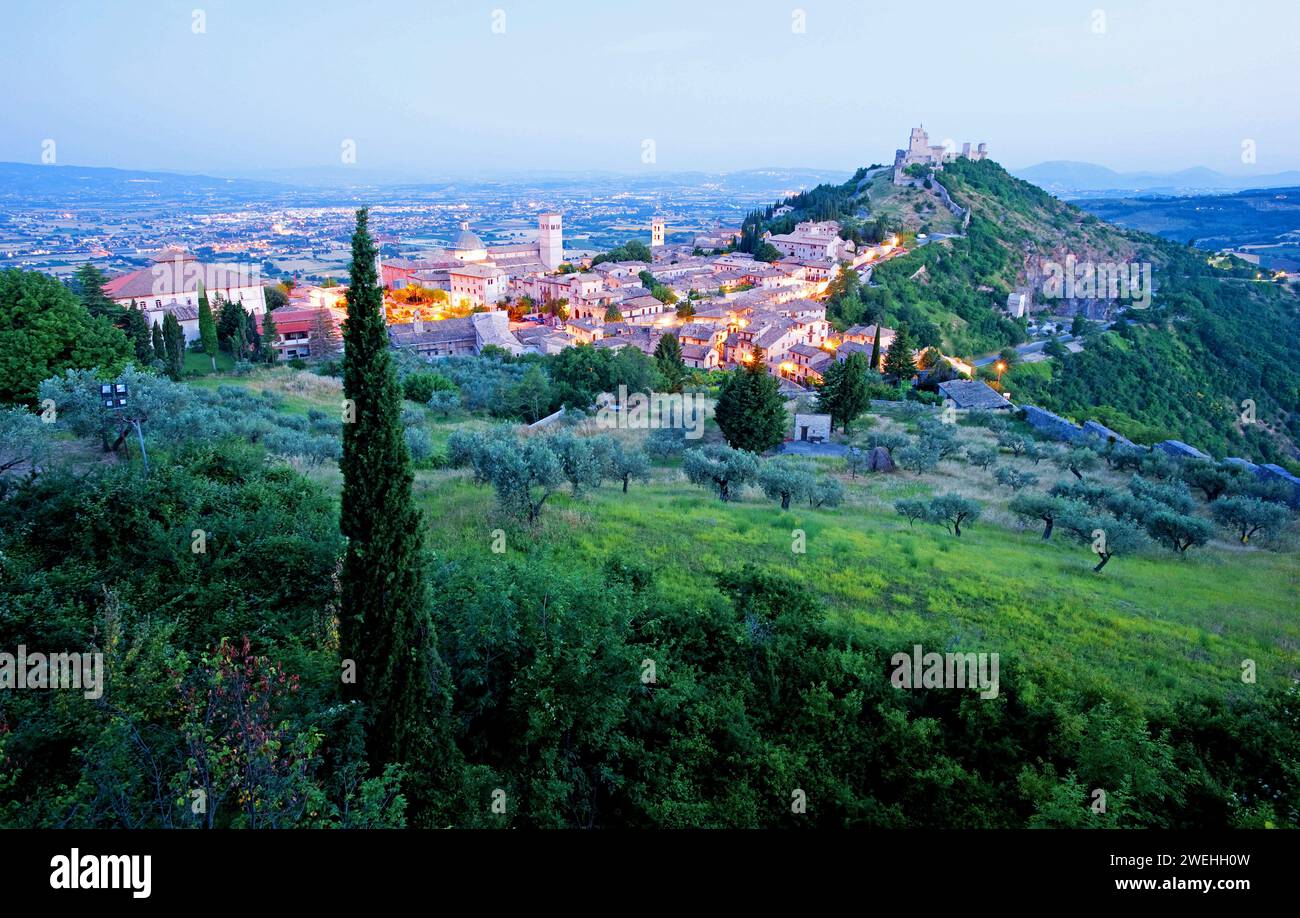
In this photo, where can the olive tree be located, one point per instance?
(1107, 536)
(981, 456)
(623, 464)
(785, 480)
(919, 457)
(827, 492)
(524, 475)
(1178, 531)
(1076, 460)
(912, 509)
(952, 511)
(24, 441)
(1014, 478)
(1042, 507)
(580, 458)
(722, 467)
(1247, 516)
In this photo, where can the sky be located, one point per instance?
(453, 88)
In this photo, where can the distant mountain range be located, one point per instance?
(333, 176)
(71, 184)
(1068, 179)
(55, 183)
(1259, 216)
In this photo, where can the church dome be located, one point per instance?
(467, 241)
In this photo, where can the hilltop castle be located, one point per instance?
(920, 152)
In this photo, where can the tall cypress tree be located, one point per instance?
(269, 336)
(89, 283)
(159, 343)
(254, 338)
(828, 393)
(668, 357)
(137, 329)
(207, 327)
(174, 341)
(384, 622)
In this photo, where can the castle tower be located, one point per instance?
(657, 231)
(918, 143)
(550, 239)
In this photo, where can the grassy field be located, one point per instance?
(301, 390)
(199, 365)
(1148, 630)
(913, 208)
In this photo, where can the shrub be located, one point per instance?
(918, 457)
(912, 509)
(419, 444)
(981, 456)
(419, 387)
(1014, 478)
(666, 442)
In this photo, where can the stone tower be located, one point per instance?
(657, 231)
(550, 239)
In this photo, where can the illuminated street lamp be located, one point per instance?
(1001, 367)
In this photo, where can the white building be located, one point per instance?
(477, 284)
(813, 240)
(172, 283)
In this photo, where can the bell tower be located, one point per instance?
(550, 239)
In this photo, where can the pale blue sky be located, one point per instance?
(717, 84)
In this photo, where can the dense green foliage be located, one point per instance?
(750, 411)
(156, 573)
(844, 394)
(632, 250)
(44, 330)
(619, 693)
(1212, 346)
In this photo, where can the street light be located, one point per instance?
(115, 397)
(1001, 367)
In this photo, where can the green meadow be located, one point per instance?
(1147, 631)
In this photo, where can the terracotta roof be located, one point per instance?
(169, 278)
(972, 393)
(440, 332)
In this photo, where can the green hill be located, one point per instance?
(1215, 335)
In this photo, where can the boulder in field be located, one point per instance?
(879, 460)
